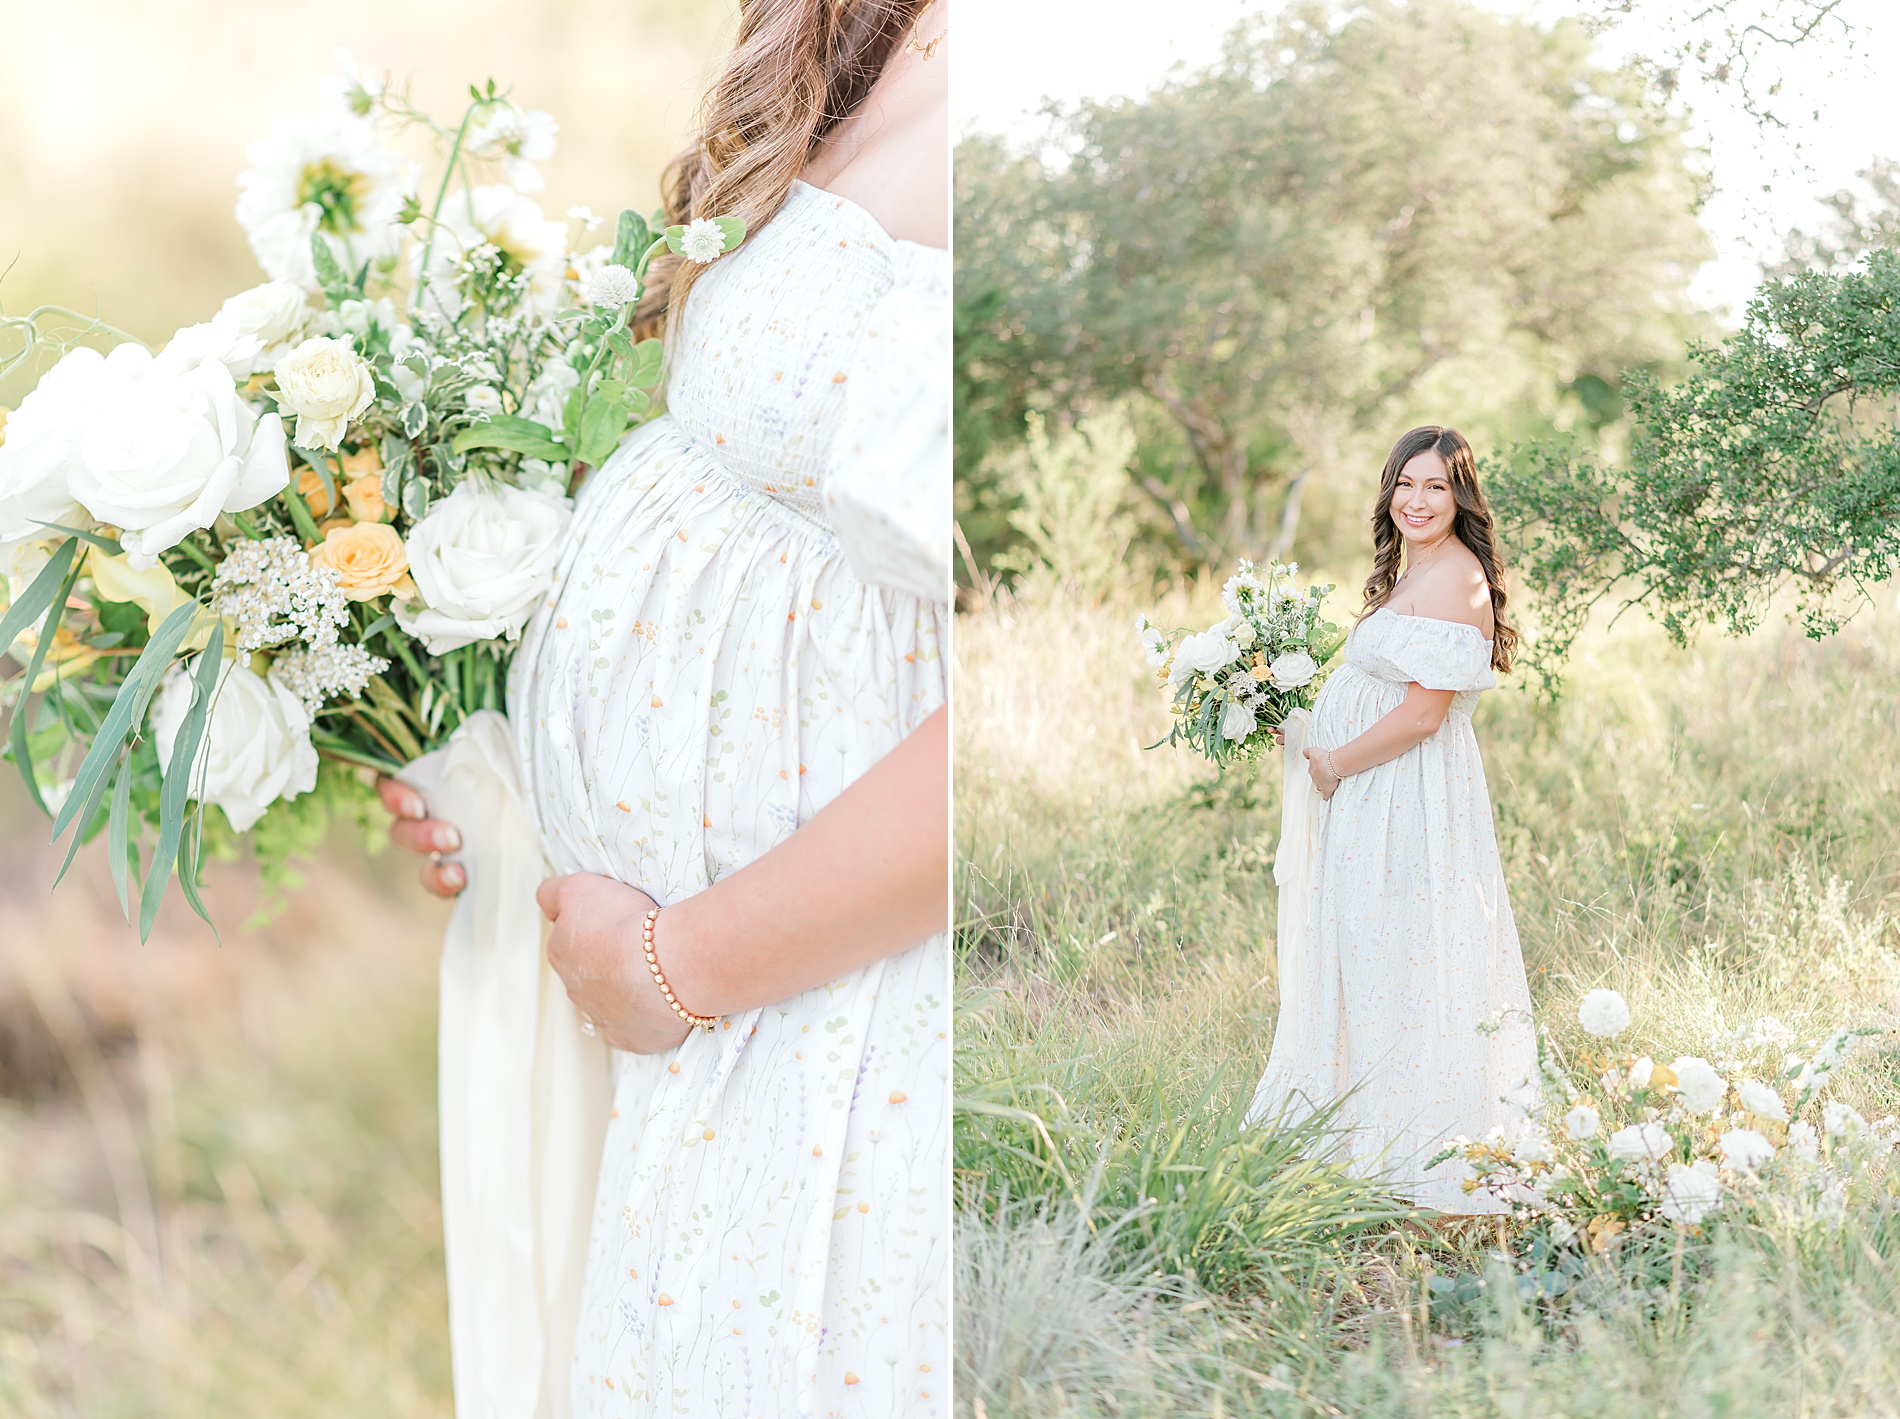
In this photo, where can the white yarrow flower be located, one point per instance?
(610, 287)
(702, 241)
(1604, 1013)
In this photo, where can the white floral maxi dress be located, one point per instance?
(1413, 1004)
(752, 614)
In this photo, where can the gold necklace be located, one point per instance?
(913, 45)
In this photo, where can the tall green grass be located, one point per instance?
(1713, 831)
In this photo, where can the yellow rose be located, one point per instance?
(364, 491)
(369, 558)
(310, 487)
(364, 461)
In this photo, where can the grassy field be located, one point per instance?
(1715, 832)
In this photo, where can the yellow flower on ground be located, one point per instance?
(368, 558)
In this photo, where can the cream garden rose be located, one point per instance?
(1292, 670)
(1698, 1086)
(481, 560)
(369, 559)
(326, 384)
(256, 747)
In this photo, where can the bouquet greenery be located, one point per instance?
(298, 543)
(1236, 682)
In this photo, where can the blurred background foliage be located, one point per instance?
(218, 1190)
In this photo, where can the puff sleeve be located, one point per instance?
(1440, 655)
(887, 488)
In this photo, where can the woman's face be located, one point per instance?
(1423, 508)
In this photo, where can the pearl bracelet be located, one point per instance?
(704, 1022)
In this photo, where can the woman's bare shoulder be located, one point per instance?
(1453, 588)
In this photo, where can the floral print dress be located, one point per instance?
(753, 611)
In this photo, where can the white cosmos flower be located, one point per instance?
(1762, 1101)
(1745, 1150)
(482, 559)
(327, 385)
(1604, 1013)
(518, 141)
(1582, 1122)
(497, 215)
(1236, 722)
(352, 90)
(325, 175)
(1154, 646)
(1691, 1193)
(35, 486)
(1641, 1141)
(1292, 669)
(1842, 1119)
(256, 748)
(164, 452)
(1698, 1086)
(702, 241)
(610, 286)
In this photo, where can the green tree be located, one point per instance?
(1353, 217)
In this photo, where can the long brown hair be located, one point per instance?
(797, 69)
(1470, 524)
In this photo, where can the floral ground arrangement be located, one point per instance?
(297, 543)
(1707, 894)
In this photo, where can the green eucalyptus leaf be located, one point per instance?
(22, 742)
(118, 837)
(38, 595)
(515, 434)
(176, 790)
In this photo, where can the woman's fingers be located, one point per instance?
(443, 879)
(399, 798)
(426, 835)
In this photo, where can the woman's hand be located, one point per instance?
(1323, 779)
(595, 948)
(415, 831)
(1279, 735)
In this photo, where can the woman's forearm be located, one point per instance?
(866, 877)
(1416, 719)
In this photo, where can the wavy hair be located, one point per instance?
(1470, 524)
(797, 69)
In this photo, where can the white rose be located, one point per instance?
(1640, 1072)
(1241, 632)
(1641, 1140)
(218, 340)
(1236, 722)
(1691, 1193)
(1745, 1150)
(1842, 1119)
(1202, 654)
(481, 560)
(164, 452)
(1698, 1086)
(34, 461)
(1762, 1101)
(1292, 669)
(326, 384)
(1532, 1147)
(1805, 1142)
(1582, 1122)
(256, 748)
(1604, 1013)
(273, 312)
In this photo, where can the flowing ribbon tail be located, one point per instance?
(1293, 875)
(525, 1098)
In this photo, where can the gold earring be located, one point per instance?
(913, 44)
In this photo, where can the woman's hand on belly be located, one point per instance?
(415, 831)
(595, 948)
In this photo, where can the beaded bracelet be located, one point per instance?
(705, 1022)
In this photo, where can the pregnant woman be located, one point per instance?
(1403, 997)
(729, 718)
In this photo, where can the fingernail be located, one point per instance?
(413, 806)
(453, 876)
(447, 839)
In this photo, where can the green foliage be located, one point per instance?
(1070, 496)
(294, 830)
(1355, 218)
(1775, 462)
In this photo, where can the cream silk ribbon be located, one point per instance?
(525, 1098)
(1293, 863)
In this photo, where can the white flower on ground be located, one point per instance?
(1691, 1193)
(256, 747)
(1604, 1013)
(35, 460)
(1562, 1230)
(164, 452)
(1531, 1146)
(481, 559)
(1698, 1087)
(1745, 1150)
(327, 175)
(1842, 1119)
(1767, 1033)
(495, 215)
(1805, 1142)
(702, 241)
(1762, 1101)
(1649, 1141)
(1640, 1072)
(1292, 669)
(1236, 722)
(610, 287)
(1582, 1122)
(1202, 654)
(326, 384)
(518, 141)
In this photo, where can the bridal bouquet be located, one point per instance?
(1632, 1146)
(1237, 681)
(298, 542)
